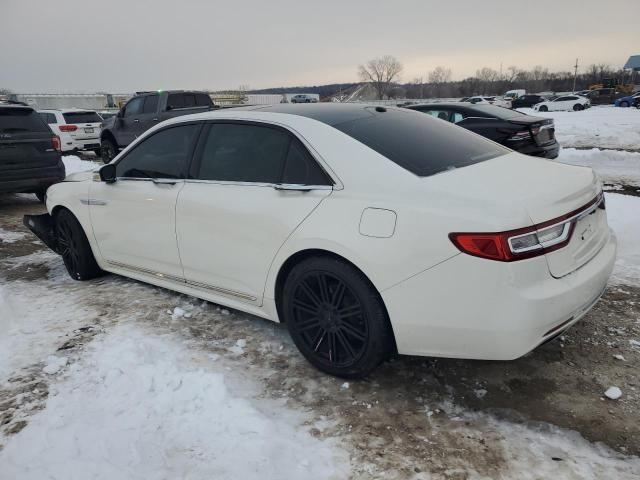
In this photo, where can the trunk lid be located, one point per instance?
(545, 190)
(88, 123)
(542, 130)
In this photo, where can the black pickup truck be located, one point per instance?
(144, 111)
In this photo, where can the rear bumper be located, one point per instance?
(43, 228)
(551, 150)
(468, 307)
(31, 180)
(70, 144)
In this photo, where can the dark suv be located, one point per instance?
(30, 158)
(143, 112)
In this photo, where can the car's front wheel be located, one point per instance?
(108, 150)
(624, 104)
(577, 107)
(336, 317)
(74, 247)
(543, 108)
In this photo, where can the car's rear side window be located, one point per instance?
(50, 118)
(81, 117)
(19, 120)
(423, 145)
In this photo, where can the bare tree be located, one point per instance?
(439, 76)
(381, 72)
(486, 76)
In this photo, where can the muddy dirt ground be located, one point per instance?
(399, 422)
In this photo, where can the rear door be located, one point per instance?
(233, 216)
(25, 143)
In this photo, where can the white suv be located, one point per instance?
(77, 129)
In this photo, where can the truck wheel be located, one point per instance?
(108, 150)
(98, 152)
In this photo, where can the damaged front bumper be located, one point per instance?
(43, 226)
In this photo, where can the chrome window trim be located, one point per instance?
(256, 184)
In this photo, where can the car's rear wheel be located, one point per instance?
(108, 150)
(543, 109)
(336, 317)
(74, 247)
(624, 104)
(577, 107)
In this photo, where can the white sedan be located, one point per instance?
(366, 230)
(564, 103)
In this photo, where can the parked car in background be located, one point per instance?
(499, 101)
(524, 133)
(30, 159)
(78, 129)
(144, 111)
(107, 115)
(527, 101)
(604, 96)
(564, 103)
(302, 98)
(366, 230)
(514, 94)
(628, 101)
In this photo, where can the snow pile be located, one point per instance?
(623, 214)
(600, 127)
(611, 165)
(145, 406)
(54, 364)
(73, 164)
(10, 237)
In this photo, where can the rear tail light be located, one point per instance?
(68, 128)
(526, 242)
(522, 135)
(55, 143)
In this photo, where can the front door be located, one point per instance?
(129, 121)
(133, 219)
(253, 185)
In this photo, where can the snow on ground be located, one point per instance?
(10, 237)
(623, 214)
(599, 127)
(613, 166)
(74, 164)
(141, 405)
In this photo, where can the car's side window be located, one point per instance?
(150, 104)
(457, 117)
(561, 99)
(49, 118)
(243, 153)
(441, 114)
(301, 168)
(162, 155)
(134, 107)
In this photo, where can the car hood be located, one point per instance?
(80, 176)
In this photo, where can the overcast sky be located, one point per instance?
(128, 45)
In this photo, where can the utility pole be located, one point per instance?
(575, 75)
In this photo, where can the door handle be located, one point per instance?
(164, 181)
(155, 119)
(135, 120)
(93, 201)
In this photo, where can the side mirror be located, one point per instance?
(108, 173)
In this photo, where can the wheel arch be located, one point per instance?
(108, 135)
(301, 255)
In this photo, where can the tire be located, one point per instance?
(577, 107)
(108, 150)
(624, 104)
(543, 108)
(42, 195)
(74, 248)
(336, 317)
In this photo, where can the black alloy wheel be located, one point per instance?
(336, 318)
(108, 150)
(74, 248)
(543, 108)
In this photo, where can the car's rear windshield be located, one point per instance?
(82, 117)
(421, 144)
(21, 120)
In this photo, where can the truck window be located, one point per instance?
(203, 100)
(175, 100)
(150, 104)
(134, 107)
